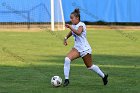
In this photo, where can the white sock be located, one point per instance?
(67, 67)
(96, 69)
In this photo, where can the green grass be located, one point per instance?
(28, 60)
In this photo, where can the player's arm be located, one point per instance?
(69, 35)
(77, 32)
(65, 39)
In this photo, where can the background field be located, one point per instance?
(28, 60)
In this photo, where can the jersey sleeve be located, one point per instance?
(83, 25)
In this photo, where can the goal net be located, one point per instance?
(40, 14)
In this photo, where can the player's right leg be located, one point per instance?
(88, 62)
(73, 54)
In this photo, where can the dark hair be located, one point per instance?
(76, 13)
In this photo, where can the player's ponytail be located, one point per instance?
(76, 13)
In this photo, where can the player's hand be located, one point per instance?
(68, 26)
(65, 42)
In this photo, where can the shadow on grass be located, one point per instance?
(97, 59)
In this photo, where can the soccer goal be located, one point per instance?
(40, 14)
(57, 16)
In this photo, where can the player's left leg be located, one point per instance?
(73, 54)
(88, 62)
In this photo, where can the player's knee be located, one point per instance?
(67, 62)
(93, 67)
(90, 67)
(67, 59)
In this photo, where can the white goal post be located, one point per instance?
(57, 16)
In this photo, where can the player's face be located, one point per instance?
(74, 19)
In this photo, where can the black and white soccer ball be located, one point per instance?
(56, 81)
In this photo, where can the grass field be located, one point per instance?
(28, 60)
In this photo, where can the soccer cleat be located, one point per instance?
(105, 80)
(66, 82)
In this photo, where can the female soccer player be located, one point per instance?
(81, 48)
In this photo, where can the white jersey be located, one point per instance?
(81, 43)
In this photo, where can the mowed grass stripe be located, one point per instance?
(40, 55)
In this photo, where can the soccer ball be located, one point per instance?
(56, 81)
